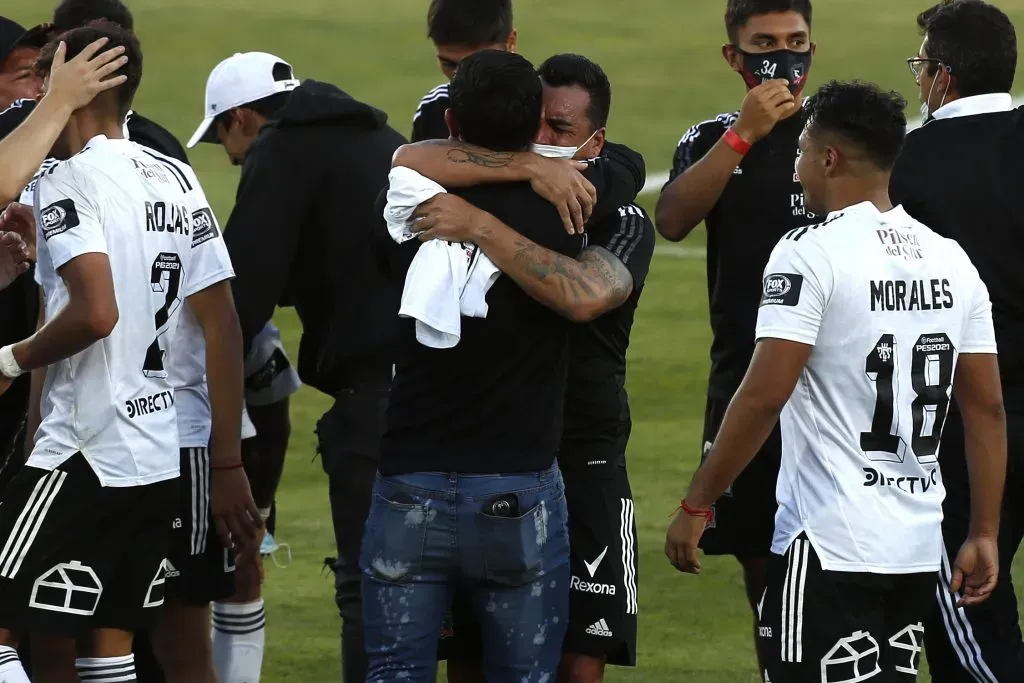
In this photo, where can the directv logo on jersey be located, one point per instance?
(58, 217)
(912, 485)
(782, 289)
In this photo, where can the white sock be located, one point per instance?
(106, 669)
(239, 632)
(10, 666)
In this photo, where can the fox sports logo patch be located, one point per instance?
(781, 289)
(53, 216)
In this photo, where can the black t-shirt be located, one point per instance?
(428, 123)
(761, 203)
(150, 134)
(597, 420)
(962, 177)
(493, 403)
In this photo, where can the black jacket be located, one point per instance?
(301, 234)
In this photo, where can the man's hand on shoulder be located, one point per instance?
(561, 182)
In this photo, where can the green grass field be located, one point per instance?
(663, 60)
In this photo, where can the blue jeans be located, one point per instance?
(428, 533)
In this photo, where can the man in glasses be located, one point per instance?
(960, 175)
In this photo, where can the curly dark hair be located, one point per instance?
(863, 115)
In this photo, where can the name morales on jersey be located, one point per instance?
(58, 217)
(161, 217)
(781, 289)
(153, 403)
(204, 227)
(915, 295)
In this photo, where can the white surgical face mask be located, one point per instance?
(556, 152)
(926, 112)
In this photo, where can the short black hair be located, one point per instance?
(497, 99)
(469, 22)
(863, 115)
(569, 69)
(976, 41)
(71, 14)
(78, 39)
(739, 12)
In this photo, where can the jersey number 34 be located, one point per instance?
(931, 376)
(165, 278)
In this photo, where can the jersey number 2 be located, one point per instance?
(165, 278)
(931, 375)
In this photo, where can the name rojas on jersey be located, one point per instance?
(147, 213)
(715, 128)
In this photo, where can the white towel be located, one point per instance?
(445, 280)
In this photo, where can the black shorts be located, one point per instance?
(819, 626)
(979, 643)
(603, 561)
(77, 556)
(201, 570)
(744, 520)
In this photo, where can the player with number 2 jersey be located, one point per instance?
(121, 231)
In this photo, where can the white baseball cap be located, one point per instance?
(241, 78)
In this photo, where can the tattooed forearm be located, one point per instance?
(577, 289)
(480, 157)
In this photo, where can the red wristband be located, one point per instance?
(225, 468)
(695, 512)
(735, 142)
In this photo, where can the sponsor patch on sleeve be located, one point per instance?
(781, 289)
(58, 217)
(204, 228)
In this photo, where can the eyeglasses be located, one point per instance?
(916, 65)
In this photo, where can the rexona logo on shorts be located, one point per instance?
(58, 217)
(587, 587)
(781, 289)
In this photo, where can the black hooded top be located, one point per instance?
(301, 234)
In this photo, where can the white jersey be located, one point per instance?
(187, 355)
(114, 402)
(888, 306)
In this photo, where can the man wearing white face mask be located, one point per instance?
(599, 289)
(960, 174)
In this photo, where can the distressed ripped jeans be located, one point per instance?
(502, 539)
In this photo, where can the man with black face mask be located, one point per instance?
(736, 173)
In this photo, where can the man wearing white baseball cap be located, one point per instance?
(243, 78)
(302, 234)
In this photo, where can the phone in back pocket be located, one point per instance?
(505, 505)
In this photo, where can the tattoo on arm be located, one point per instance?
(596, 278)
(479, 157)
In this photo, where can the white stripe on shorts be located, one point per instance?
(628, 540)
(27, 526)
(792, 626)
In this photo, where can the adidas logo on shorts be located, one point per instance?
(599, 629)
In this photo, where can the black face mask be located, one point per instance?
(759, 67)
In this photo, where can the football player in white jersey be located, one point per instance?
(83, 526)
(869, 323)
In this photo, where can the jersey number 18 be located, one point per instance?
(931, 375)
